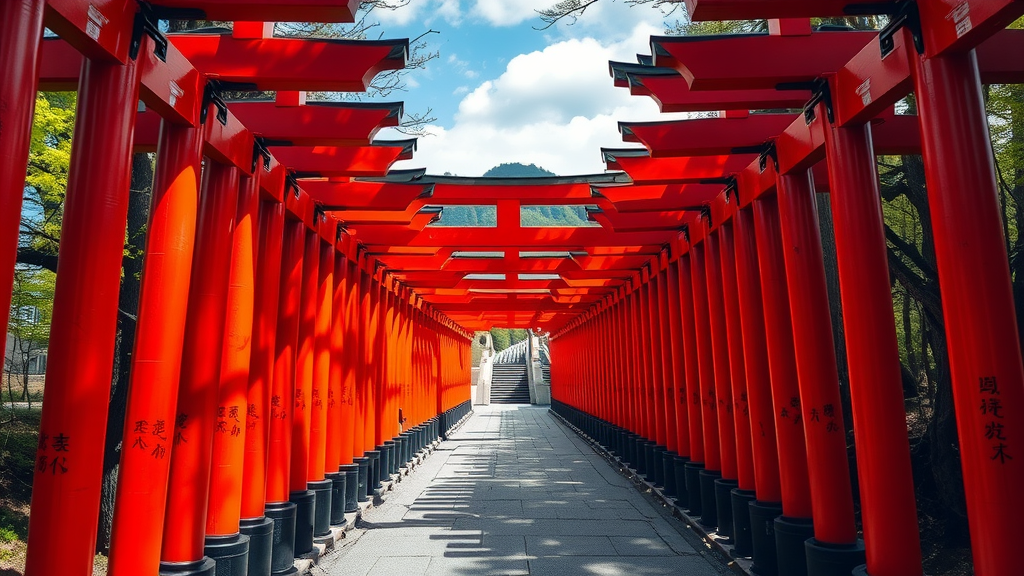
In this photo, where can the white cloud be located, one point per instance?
(555, 108)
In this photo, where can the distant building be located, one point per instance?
(16, 355)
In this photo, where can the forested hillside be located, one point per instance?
(486, 216)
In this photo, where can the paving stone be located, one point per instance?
(513, 492)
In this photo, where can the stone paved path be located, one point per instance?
(514, 492)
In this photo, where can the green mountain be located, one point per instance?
(485, 215)
(517, 170)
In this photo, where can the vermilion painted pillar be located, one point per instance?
(156, 357)
(722, 382)
(354, 353)
(663, 357)
(743, 493)
(19, 67)
(320, 394)
(691, 356)
(651, 385)
(69, 458)
(254, 523)
(302, 399)
(339, 413)
(196, 420)
(888, 511)
(224, 541)
(675, 354)
(815, 358)
(768, 504)
(794, 527)
(709, 396)
(750, 310)
(977, 304)
(737, 368)
(279, 508)
(831, 492)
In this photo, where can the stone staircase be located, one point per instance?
(509, 384)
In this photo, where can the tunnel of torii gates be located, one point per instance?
(303, 331)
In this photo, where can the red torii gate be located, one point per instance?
(728, 284)
(877, 76)
(232, 299)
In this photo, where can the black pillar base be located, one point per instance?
(338, 487)
(723, 504)
(825, 559)
(631, 450)
(373, 481)
(692, 477)
(351, 500)
(708, 501)
(230, 553)
(204, 567)
(400, 459)
(387, 458)
(668, 467)
(283, 556)
(790, 535)
(323, 491)
(305, 515)
(648, 460)
(743, 544)
(364, 478)
(682, 494)
(261, 544)
(762, 531)
(658, 464)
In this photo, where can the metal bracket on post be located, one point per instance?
(821, 94)
(768, 150)
(732, 188)
(259, 150)
(146, 24)
(904, 14)
(319, 214)
(705, 214)
(291, 183)
(339, 232)
(685, 231)
(211, 95)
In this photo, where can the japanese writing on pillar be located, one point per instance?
(252, 417)
(741, 405)
(992, 411)
(52, 453)
(228, 421)
(277, 411)
(300, 400)
(150, 437)
(791, 411)
(180, 425)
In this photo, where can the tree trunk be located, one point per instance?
(835, 304)
(128, 306)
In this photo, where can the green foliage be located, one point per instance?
(517, 170)
(32, 305)
(505, 338)
(487, 215)
(47, 178)
(502, 339)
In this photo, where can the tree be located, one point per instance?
(28, 331)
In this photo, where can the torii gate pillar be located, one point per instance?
(977, 302)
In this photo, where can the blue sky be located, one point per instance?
(503, 91)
